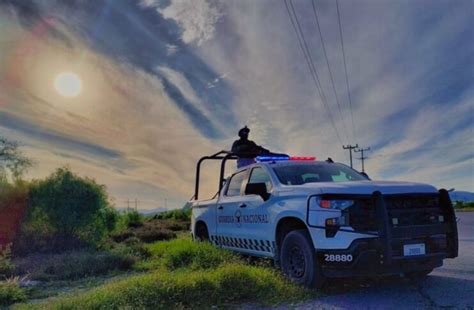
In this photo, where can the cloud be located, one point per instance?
(197, 18)
(154, 104)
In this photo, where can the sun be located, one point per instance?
(68, 84)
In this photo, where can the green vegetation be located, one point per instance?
(65, 212)
(189, 274)
(228, 284)
(132, 218)
(72, 265)
(179, 214)
(13, 162)
(183, 253)
(10, 292)
(66, 237)
(464, 206)
(150, 231)
(6, 265)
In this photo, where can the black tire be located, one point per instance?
(419, 275)
(201, 232)
(298, 260)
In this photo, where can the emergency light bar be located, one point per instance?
(271, 158)
(281, 158)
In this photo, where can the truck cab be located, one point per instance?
(320, 219)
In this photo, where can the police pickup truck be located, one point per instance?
(320, 219)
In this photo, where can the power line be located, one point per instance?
(309, 61)
(350, 148)
(329, 67)
(362, 156)
(345, 68)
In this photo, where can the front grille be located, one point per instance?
(403, 210)
(410, 210)
(362, 215)
(410, 202)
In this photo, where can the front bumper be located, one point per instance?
(383, 255)
(369, 260)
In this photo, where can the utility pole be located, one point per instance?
(128, 204)
(362, 156)
(136, 204)
(350, 148)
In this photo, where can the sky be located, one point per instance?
(164, 83)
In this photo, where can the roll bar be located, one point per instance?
(221, 155)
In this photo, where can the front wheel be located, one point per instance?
(201, 233)
(419, 275)
(298, 260)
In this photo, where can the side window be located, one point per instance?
(341, 177)
(235, 184)
(311, 178)
(259, 175)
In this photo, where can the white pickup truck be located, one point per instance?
(320, 219)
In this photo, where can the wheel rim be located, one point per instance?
(296, 262)
(202, 234)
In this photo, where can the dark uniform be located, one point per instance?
(247, 150)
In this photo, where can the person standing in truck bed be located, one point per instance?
(247, 150)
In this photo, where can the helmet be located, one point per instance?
(244, 131)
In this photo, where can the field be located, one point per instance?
(177, 273)
(140, 272)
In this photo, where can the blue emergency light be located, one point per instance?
(271, 158)
(281, 158)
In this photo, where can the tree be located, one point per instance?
(76, 208)
(12, 160)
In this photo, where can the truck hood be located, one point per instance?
(368, 187)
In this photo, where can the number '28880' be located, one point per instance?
(338, 257)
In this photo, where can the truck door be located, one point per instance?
(228, 214)
(256, 219)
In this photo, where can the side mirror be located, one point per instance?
(259, 189)
(365, 175)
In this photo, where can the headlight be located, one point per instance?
(337, 204)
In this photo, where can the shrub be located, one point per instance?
(464, 205)
(132, 218)
(226, 285)
(182, 253)
(132, 247)
(13, 206)
(10, 293)
(176, 225)
(6, 266)
(72, 265)
(179, 214)
(150, 231)
(66, 212)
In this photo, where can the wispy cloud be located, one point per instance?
(168, 82)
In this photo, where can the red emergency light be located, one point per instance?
(302, 158)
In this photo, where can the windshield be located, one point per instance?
(301, 174)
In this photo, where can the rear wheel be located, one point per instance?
(298, 260)
(201, 232)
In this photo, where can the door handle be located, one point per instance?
(243, 205)
(220, 207)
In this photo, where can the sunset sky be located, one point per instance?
(133, 93)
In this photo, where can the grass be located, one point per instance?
(183, 253)
(71, 265)
(152, 230)
(186, 274)
(225, 285)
